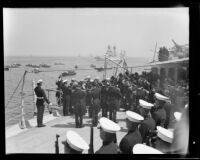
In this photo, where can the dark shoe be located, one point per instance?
(41, 125)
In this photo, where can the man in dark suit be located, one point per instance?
(108, 131)
(133, 136)
(41, 98)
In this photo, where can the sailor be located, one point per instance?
(159, 114)
(144, 149)
(164, 139)
(66, 97)
(77, 95)
(149, 124)
(74, 143)
(133, 136)
(59, 84)
(114, 96)
(108, 131)
(96, 94)
(104, 96)
(41, 98)
(88, 96)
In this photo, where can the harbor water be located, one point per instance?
(50, 76)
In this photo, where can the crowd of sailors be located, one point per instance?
(156, 113)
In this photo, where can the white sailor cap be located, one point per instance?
(144, 149)
(88, 76)
(91, 80)
(108, 125)
(76, 142)
(145, 104)
(73, 79)
(40, 81)
(65, 80)
(161, 97)
(134, 117)
(177, 115)
(108, 78)
(165, 134)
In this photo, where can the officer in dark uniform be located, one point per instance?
(66, 97)
(148, 124)
(133, 136)
(59, 84)
(77, 96)
(95, 92)
(114, 96)
(41, 98)
(108, 131)
(74, 143)
(159, 114)
(89, 96)
(104, 96)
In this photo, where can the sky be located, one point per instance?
(89, 31)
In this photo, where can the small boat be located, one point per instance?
(33, 65)
(14, 65)
(98, 58)
(36, 70)
(92, 65)
(69, 73)
(59, 63)
(45, 65)
(75, 66)
(101, 69)
(6, 68)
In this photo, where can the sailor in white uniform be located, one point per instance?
(164, 140)
(108, 131)
(74, 143)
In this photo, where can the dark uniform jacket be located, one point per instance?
(108, 148)
(114, 96)
(104, 96)
(78, 96)
(41, 96)
(147, 125)
(160, 117)
(66, 91)
(129, 140)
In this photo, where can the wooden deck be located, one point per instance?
(42, 140)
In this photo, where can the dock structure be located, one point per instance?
(42, 140)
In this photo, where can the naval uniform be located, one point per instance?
(114, 96)
(129, 140)
(108, 148)
(41, 98)
(159, 116)
(146, 126)
(103, 102)
(77, 97)
(95, 104)
(66, 99)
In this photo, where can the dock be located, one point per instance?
(42, 140)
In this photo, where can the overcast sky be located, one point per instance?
(69, 32)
